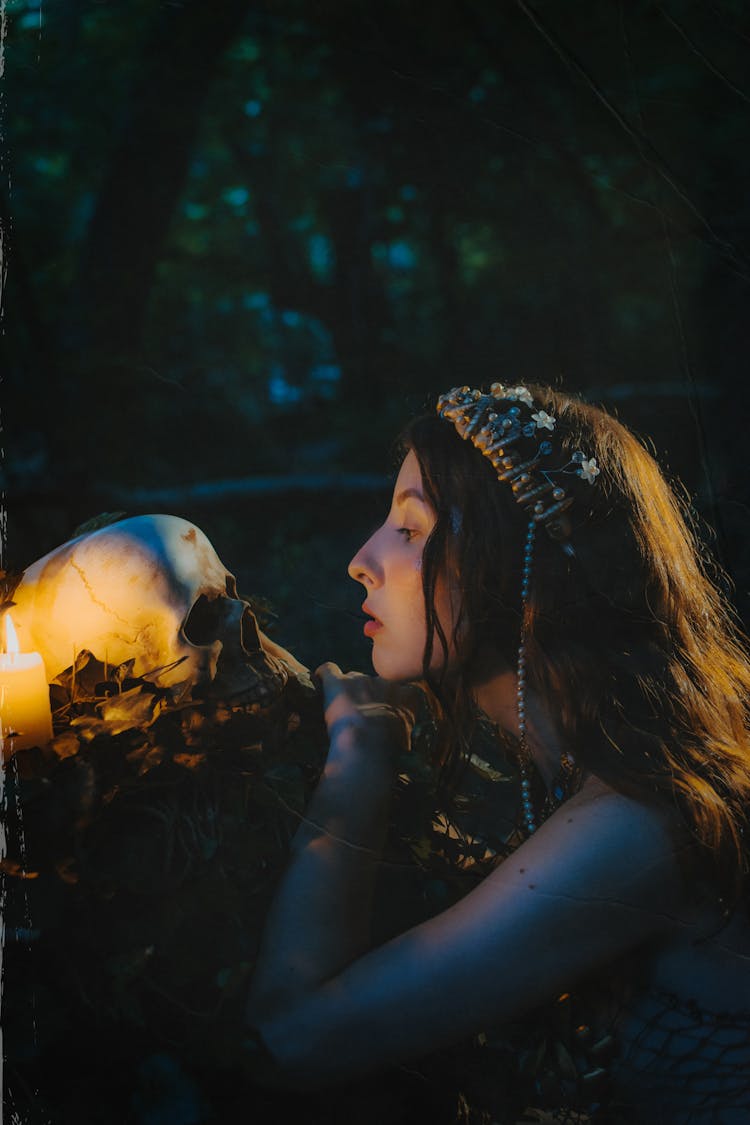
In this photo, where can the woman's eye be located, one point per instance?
(407, 532)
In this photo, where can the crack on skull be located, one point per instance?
(97, 601)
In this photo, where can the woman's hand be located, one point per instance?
(368, 704)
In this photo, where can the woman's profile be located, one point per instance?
(535, 567)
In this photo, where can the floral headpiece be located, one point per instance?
(494, 429)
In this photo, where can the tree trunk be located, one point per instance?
(145, 177)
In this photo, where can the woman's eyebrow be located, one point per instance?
(408, 494)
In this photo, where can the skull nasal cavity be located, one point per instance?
(203, 623)
(250, 636)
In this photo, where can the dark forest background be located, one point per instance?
(244, 242)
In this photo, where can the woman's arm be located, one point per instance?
(319, 921)
(597, 879)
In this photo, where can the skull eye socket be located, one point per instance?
(203, 623)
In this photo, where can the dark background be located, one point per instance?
(249, 240)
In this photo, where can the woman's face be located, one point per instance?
(389, 566)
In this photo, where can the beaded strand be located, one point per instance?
(527, 807)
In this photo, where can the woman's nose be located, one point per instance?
(364, 567)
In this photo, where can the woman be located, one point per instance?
(538, 571)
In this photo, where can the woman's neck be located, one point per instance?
(496, 696)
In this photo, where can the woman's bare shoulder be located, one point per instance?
(622, 828)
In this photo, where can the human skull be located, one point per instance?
(151, 589)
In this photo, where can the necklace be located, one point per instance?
(565, 783)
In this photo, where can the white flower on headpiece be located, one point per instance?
(523, 394)
(589, 470)
(544, 420)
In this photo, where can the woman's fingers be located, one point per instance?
(352, 696)
(362, 689)
(327, 670)
(335, 683)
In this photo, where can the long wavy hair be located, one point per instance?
(629, 644)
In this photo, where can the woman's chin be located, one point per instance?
(394, 670)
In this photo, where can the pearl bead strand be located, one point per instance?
(527, 807)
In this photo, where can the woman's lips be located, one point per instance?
(372, 626)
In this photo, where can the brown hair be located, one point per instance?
(629, 644)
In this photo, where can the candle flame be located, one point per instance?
(11, 636)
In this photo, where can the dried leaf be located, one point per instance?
(9, 580)
(123, 672)
(154, 758)
(64, 868)
(66, 744)
(178, 694)
(138, 752)
(80, 680)
(59, 698)
(88, 727)
(17, 870)
(134, 708)
(189, 761)
(194, 725)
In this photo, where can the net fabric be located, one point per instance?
(686, 1064)
(650, 1061)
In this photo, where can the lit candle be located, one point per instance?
(25, 716)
